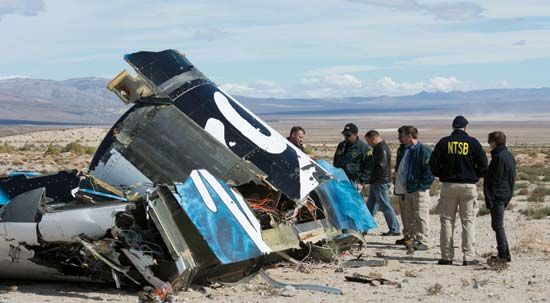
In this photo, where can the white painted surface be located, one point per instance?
(94, 222)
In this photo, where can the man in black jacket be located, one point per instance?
(498, 188)
(458, 161)
(380, 182)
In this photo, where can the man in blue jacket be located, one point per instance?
(413, 181)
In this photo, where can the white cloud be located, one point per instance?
(347, 86)
(387, 84)
(342, 69)
(391, 87)
(237, 89)
(8, 77)
(339, 86)
(21, 7)
(520, 43)
(259, 89)
(209, 34)
(338, 81)
(464, 10)
(443, 84)
(454, 10)
(330, 86)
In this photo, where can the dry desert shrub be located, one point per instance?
(483, 211)
(521, 185)
(79, 149)
(536, 212)
(5, 148)
(523, 192)
(533, 241)
(539, 194)
(435, 289)
(533, 173)
(53, 149)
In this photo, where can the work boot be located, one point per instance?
(420, 246)
(444, 262)
(505, 255)
(390, 234)
(470, 262)
(402, 241)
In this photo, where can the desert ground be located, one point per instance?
(417, 277)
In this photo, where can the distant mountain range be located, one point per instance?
(87, 101)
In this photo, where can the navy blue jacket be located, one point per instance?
(458, 158)
(498, 185)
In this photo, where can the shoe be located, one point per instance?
(508, 256)
(444, 262)
(401, 241)
(420, 246)
(390, 233)
(471, 262)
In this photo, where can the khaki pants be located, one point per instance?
(462, 197)
(416, 214)
(407, 216)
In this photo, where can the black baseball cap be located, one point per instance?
(460, 122)
(349, 129)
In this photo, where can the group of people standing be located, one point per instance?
(459, 162)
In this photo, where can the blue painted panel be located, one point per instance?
(26, 173)
(231, 232)
(4, 198)
(345, 207)
(102, 194)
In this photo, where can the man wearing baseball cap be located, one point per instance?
(458, 161)
(351, 153)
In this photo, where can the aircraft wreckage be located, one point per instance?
(188, 186)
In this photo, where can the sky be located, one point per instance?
(289, 48)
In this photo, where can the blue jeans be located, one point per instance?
(379, 197)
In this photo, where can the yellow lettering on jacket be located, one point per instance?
(458, 148)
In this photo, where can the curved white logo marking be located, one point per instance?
(243, 214)
(273, 144)
(216, 129)
(203, 191)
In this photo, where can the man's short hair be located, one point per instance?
(295, 129)
(498, 137)
(372, 134)
(410, 130)
(400, 130)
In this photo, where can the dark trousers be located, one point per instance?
(497, 223)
